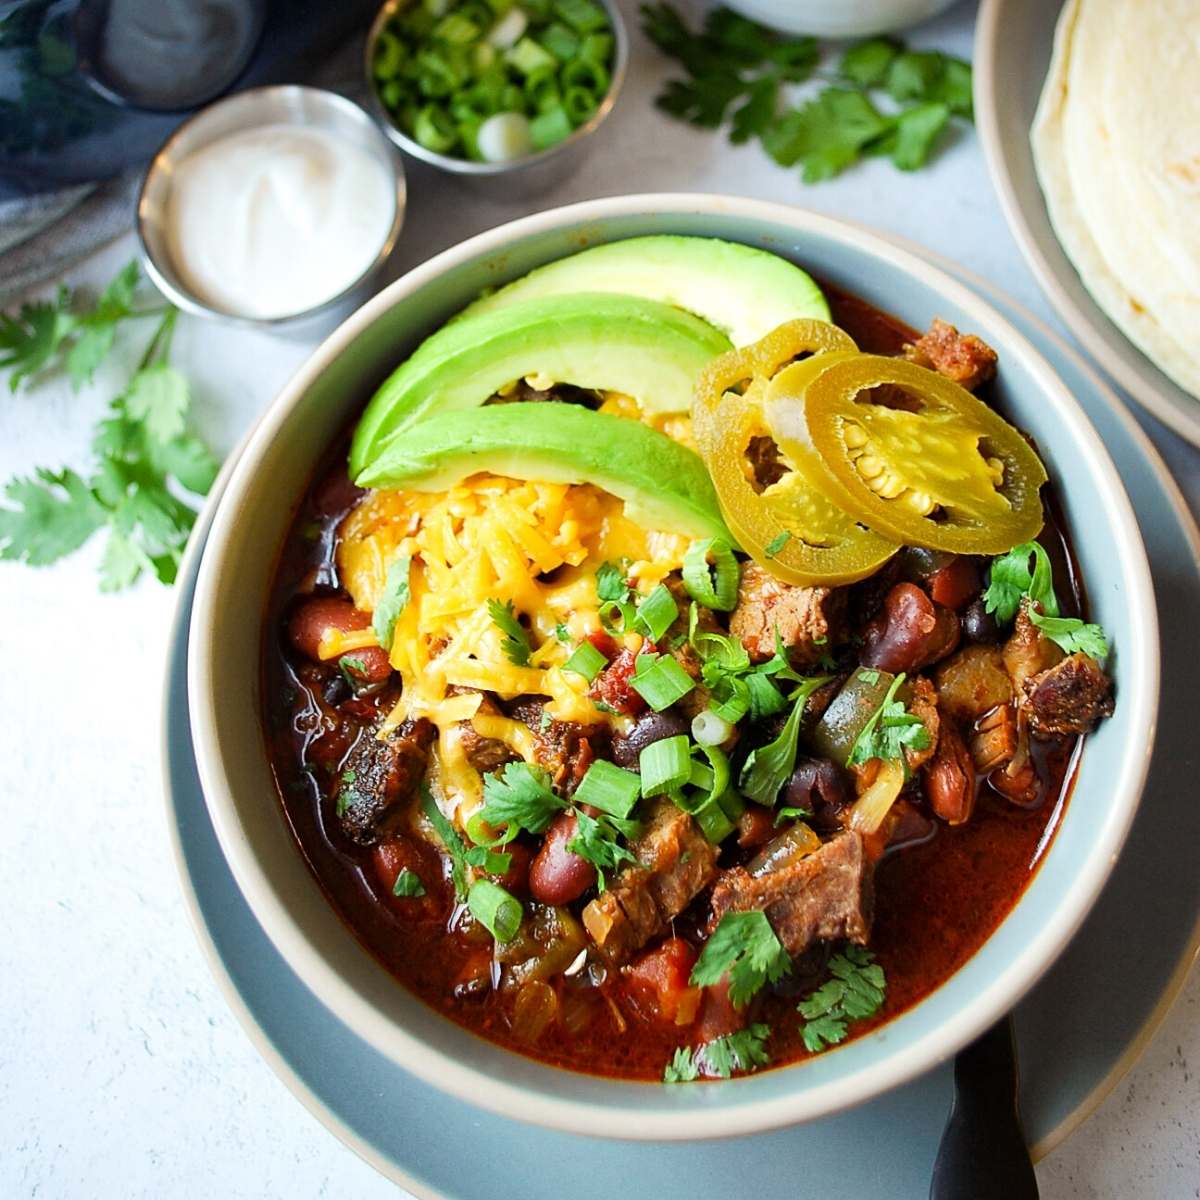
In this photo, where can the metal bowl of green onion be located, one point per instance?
(503, 93)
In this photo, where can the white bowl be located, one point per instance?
(839, 18)
(224, 685)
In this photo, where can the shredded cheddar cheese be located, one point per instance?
(536, 544)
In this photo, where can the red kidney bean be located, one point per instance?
(911, 632)
(309, 623)
(557, 876)
(950, 778)
(516, 878)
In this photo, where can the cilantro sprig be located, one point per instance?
(596, 841)
(147, 461)
(515, 643)
(745, 947)
(1014, 579)
(741, 1051)
(879, 99)
(856, 990)
(890, 731)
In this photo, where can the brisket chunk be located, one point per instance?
(378, 774)
(962, 357)
(1069, 697)
(824, 897)
(565, 748)
(808, 618)
(483, 753)
(676, 862)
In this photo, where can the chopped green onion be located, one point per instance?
(609, 788)
(579, 105)
(710, 728)
(495, 909)
(527, 56)
(665, 765)
(660, 682)
(588, 75)
(582, 15)
(433, 129)
(597, 47)
(586, 660)
(560, 41)
(456, 29)
(626, 611)
(550, 127)
(408, 883)
(716, 585)
(657, 613)
(389, 56)
(736, 705)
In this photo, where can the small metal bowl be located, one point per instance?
(519, 177)
(313, 108)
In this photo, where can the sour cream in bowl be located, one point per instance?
(272, 206)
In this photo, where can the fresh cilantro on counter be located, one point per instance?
(856, 991)
(744, 945)
(740, 1051)
(1013, 580)
(147, 461)
(737, 71)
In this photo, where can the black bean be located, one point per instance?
(979, 625)
(653, 727)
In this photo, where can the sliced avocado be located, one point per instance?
(664, 484)
(743, 291)
(645, 349)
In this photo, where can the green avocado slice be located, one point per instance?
(663, 483)
(743, 291)
(645, 349)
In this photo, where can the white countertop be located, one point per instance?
(122, 1072)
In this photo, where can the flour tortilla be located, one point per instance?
(1116, 142)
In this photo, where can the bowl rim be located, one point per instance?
(486, 170)
(993, 1000)
(182, 297)
(1143, 379)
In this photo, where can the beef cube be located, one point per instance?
(825, 897)
(809, 619)
(676, 862)
(378, 775)
(565, 748)
(1070, 697)
(962, 357)
(483, 753)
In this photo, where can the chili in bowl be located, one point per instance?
(673, 683)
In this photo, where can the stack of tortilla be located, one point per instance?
(1116, 141)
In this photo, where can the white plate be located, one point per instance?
(1013, 41)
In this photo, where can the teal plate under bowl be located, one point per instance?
(1078, 1031)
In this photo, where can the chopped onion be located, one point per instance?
(873, 806)
(711, 729)
(509, 29)
(503, 137)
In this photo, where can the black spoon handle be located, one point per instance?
(983, 1155)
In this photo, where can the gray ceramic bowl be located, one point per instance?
(522, 177)
(226, 632)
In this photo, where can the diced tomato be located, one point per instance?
(956, 584)
(603, 642)
(612, 685)
(658, 983)
(718, 1017)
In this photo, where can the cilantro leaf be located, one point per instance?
(29, 339)
(740, 1051)
(520, 797)
(767, 768)
(516, 640)
(931, 76)
(595, 841)
(825, 135)
(54, 513)
(1073, 635)
(914, 133)
(856, 990)
(777, 543)
(758, 110)
(157, 398)
(611, 584)
(867, 63)
(890, 731)
(408, 883)
(746, 947)
(393, 600)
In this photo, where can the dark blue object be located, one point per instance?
(91, 87)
